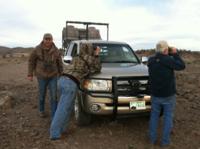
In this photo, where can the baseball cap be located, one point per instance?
(47, 35)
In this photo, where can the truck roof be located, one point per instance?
(98, 41)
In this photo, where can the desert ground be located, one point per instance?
(22, 128)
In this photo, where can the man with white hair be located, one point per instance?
(163, 89)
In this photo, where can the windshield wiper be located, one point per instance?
(123, 61)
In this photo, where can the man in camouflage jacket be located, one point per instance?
(46, 64)
(86, 63)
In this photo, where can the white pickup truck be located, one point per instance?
(122, 87)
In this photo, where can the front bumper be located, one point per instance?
(105, 105)
(126, 93)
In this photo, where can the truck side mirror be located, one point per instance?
(67, 60)
(144, 59)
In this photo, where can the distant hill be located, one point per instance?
(21, 49)
(5, 50)
(2, 48)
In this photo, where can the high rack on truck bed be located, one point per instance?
(70, 33)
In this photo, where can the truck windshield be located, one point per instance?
(117, 53)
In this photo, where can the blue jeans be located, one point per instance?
(67, 90)
(168, 106)
(51, 83)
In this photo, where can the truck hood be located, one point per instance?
(122, 69)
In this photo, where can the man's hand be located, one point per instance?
(98, 49)
(30, 78)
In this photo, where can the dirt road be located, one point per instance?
(22, 128)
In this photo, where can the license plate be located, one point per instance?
(137, 105)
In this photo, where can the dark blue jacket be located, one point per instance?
(161, 74)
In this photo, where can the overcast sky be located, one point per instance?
(140, 23)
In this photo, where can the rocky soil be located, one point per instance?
(22, 128)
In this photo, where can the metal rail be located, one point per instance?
(89, 23)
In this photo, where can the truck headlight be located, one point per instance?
(98, 85)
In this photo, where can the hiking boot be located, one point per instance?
(54, 139)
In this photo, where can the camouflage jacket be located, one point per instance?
(45, 63)
(83, 65)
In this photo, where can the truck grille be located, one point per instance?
(131, 86)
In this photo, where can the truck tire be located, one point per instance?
(81, 117)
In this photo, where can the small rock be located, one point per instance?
(110, 133)
(34, 106)
(196, 133)
(25, 130)
(6, 102)
(130, 146)
(35, 133)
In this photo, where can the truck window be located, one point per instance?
(74, 50)
(116, 53)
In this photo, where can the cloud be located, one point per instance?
(180, 23)
(30, 19)
(139, 22)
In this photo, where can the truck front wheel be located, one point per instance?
(82, 118)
